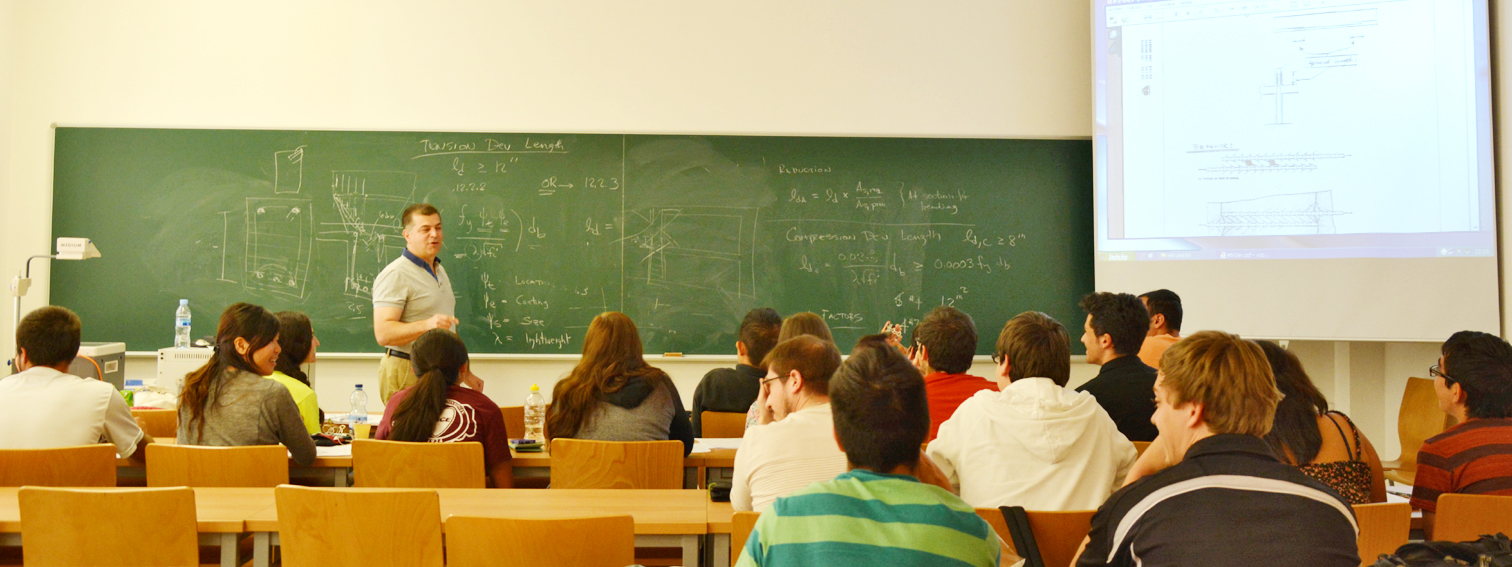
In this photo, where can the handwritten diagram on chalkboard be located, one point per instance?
(544, 231)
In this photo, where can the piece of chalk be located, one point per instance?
(672, 354)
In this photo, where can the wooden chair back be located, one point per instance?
(160, 422)
(85, 465)
(1383, 528)
(741, 525)
(372, 527)
(1465, 517)
(514, 421)
(252, 466)
(1141, 447)
(578, 463)
(1058, 534)
(722, 424)
(1418, 419)
(515, 542)
(91, 527)
(999, 525)
(401, 464)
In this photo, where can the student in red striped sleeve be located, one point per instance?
(1474, 383)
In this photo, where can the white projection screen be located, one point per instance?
(1301, 169)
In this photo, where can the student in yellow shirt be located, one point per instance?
(297, 338)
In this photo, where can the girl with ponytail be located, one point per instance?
(228, 403)
(438, 409)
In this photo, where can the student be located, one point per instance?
(1165, 325)
(780, 457)
(1324, 444)
(613, 395)
(44, 407)
(1209, 491)
(1035, 444)
(1115, 329)
(797, 325)
(1473, 379)
(228, 403)
(296, 338)
(944, 344)
(438, 410)
(735, 389)
(877, 513)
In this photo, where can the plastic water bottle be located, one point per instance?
(181, 325)
(359, 407)
(535, 414)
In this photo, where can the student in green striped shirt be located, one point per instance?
(877, 514)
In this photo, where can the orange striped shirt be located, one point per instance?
(1474, 457)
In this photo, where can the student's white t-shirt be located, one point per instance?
(779, 458)
(42, 408)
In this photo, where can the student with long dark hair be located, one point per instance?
(439, 410)
(297, 340)
(1325, 444)
(228, 403)
(613, 395)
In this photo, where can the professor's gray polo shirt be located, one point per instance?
(409, 284)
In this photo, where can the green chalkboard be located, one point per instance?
(544, 231)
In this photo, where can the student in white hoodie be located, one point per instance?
(1035, 443)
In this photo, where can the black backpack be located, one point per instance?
(1488, 551)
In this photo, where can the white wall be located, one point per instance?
(973, 68)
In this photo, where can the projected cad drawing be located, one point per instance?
(1322, 41)
(709, 248)
(1290, 214)
(1271, 163)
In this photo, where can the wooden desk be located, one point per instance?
(221, 515)
(663, 518)
(720, 514)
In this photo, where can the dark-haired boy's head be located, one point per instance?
(1481, 364)
(1116, 326)
(758, 334)
(1165, 312)
(1035, 346)
(949, 339)
(50, 336)
(880, 408)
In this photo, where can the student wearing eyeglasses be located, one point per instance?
(1473, 379)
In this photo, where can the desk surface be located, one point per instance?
(655, 511)
(716, 458)
(720, 517)
(218, 510)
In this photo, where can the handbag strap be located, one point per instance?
(1023, 536)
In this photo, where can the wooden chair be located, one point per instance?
(1141, 447)
(160, 422)
(320, 527)
(741, 525)
(83, 527)
(85, 465)
(1058, 534)
(1465, 517)
(401, 464)
(510, 542)
(1418, 419)
(514, 421)
(577, 463)
(253, 466)
(722, 424)
(1384, 527)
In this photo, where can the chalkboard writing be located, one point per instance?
(544, 231)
